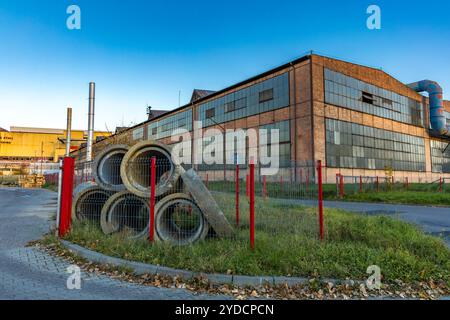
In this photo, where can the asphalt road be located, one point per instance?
(29, 273)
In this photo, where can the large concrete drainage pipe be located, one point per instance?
(88, 202)
(136, 164)
(125, 212)
(179, 220)
(106, 167)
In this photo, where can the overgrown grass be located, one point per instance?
(287, 244)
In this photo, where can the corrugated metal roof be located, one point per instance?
(36, 130)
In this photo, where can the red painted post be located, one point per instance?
(337, 184)
(320, 196)
(252, 205)
(237, 195)
(152, 198)
(341, 186)
(378, 184)
(360, 184)
(440, 184)
(264, 187)
(65, 218)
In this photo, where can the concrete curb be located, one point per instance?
(140, 268)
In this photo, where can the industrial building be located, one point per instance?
(358, 120)
(38, 147)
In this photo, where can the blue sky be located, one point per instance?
(145, 52)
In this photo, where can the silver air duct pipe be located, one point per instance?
(68, 131)
(90, 138)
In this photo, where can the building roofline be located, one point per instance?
(216, 93)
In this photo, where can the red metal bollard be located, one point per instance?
(237, 195)
(65, 218)
(152, 198)
(360, 184)
(320, 196)
(252, 205)
(440, 184)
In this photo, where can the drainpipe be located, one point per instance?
(437, 118)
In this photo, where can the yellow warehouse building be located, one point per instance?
(24, 144)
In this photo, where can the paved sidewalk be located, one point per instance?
(29, 273)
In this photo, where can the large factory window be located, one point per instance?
(270, 94)
(165, 127)
(284, 142)
(350, 145)
(440, 156)
(345, 91)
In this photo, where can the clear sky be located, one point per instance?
(144, 52)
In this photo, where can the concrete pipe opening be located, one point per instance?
(136, 167)
(107, 167)
(125, 212)
(88, 203)
(179, 220)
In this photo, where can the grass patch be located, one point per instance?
(287, 244)
(402, 197)
(50, 186)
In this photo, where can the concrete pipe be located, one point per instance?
(126, 212)
(106, 167)
(179, 220)
(88, 202)
(135, 169)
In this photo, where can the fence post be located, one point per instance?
(237, 195)
(65, 218)
(247, 187)
(58, 209)
(152, 198)
(360, 184)
(440, 184)
(264, 187)
(337, 184)
(281, 184)
(341, 186)
(320, 196)
(252, 205)
(378, 184)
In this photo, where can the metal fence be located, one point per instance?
(348, 185)
(150, 197)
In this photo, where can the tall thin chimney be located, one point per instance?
(68, 131)
(90, 138)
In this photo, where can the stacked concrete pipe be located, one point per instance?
(125, 199)
(88, 201)
(106, 167)
(135, 169)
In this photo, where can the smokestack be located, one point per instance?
(90, 137)
(68, 131)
